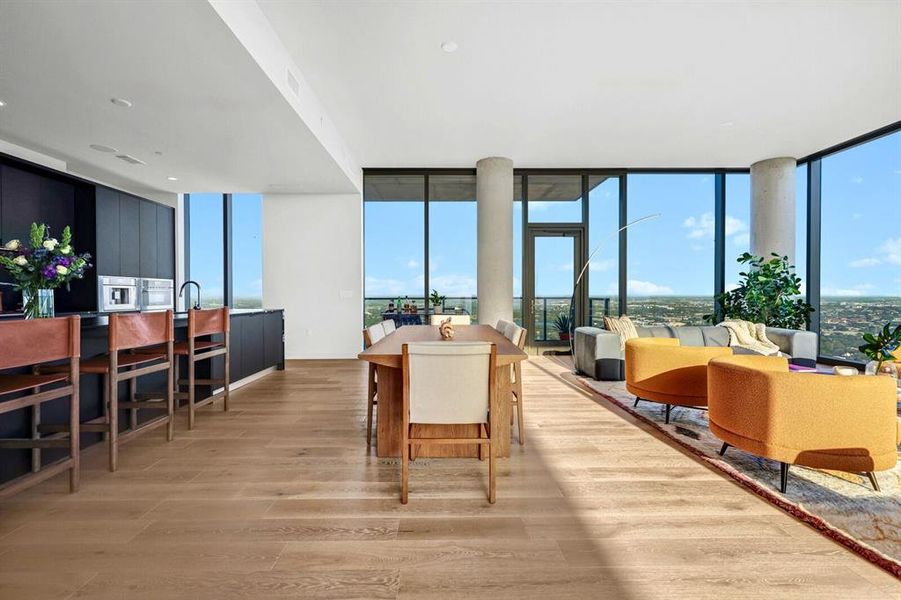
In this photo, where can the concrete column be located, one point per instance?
(773, 207)
(494, 197)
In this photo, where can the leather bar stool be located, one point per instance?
(27, 344)
(202, 323)
(130, 337)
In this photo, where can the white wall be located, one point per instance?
(313, 268)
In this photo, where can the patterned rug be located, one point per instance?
(843, 506)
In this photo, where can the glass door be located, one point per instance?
(554, 261)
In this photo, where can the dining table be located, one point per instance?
(386, 354)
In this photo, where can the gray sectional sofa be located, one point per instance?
(598, 353)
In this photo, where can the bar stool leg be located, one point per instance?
(106, 409)
(170, 395)
(35, 434)
(227, 377)
(132, 392)
(191, 385)
(75, 428)
(111, 383)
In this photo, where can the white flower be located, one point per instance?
(65, 250)
(62, 270)
(21, 261)
(12, 245)
(50, 244)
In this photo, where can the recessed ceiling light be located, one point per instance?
(2, 103)
(102, 148)
(449, 46)
(727, 124)
(172, 178)
(122, 102)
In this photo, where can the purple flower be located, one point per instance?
(49, 272)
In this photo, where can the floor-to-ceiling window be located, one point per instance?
(206, 247)
(213, 223)
(860, 255)
(801, 225)
(671, 258)
(603, 241)
(247, 250)
(453, 241)
(394, 235)
(738, 232)
(517, 249)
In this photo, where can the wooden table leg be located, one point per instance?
(503, 412)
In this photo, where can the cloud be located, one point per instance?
(454, 285)
(854, 291)
(891, 248)
(731, 286)
(857, 179)
(647, 288)
(862, 263)
(387, 286)
(413, 264)
(601, 266)
(704, 227)
(856, 216)
(742, 240)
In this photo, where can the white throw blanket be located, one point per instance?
(752, 336)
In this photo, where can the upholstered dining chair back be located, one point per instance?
(514, 333)
(502, 325)
(449, 381)
(374, 333)
(389, 326)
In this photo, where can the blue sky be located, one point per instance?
(206, 244)
(671, 255)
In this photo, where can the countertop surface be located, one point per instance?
(99, 319)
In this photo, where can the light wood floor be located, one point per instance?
(279, 499)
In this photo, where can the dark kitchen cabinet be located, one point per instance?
(107, 260)
(148, 240)
(28, 198)
(252, 360)
(129, 235)
(165, 242)
(273, 337)
(236, 349)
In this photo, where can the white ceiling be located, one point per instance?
(596, 84)
(199, 99)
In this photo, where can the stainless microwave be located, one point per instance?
(117, 294)
(157, 294)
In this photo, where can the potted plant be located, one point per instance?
(880, 350)
(563, 326)
(436, 300)
(770, 293)
(41, 267)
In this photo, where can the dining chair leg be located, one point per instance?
(517, 368)
(405, 468)
(482, 434)
(111, 383)
(225, 397)
(75, 431)
(491, 469)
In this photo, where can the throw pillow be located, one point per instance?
(623, 327)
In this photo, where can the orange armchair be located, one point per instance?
(662, 370)
(820, 421)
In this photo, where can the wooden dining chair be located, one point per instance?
(371, 335)
(139, 344)
(448, 383)
(389, 326)
(29, 343)
(517, 335)
(502, 325)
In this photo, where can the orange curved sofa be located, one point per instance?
(662, 370)
(844, 423)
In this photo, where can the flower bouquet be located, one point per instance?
(41, 268)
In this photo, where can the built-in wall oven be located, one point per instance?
(117, 294)
(157, 294)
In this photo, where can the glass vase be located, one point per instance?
(888, 368)
(38, 304)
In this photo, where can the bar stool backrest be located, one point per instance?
(137, 330)
(207, 321)
(34, 341)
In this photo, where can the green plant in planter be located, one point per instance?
(880, 347)
(562, 325)
(769, 293)
(435, 299)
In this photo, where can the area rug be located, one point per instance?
(842, 506)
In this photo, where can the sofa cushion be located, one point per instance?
(715, 336)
